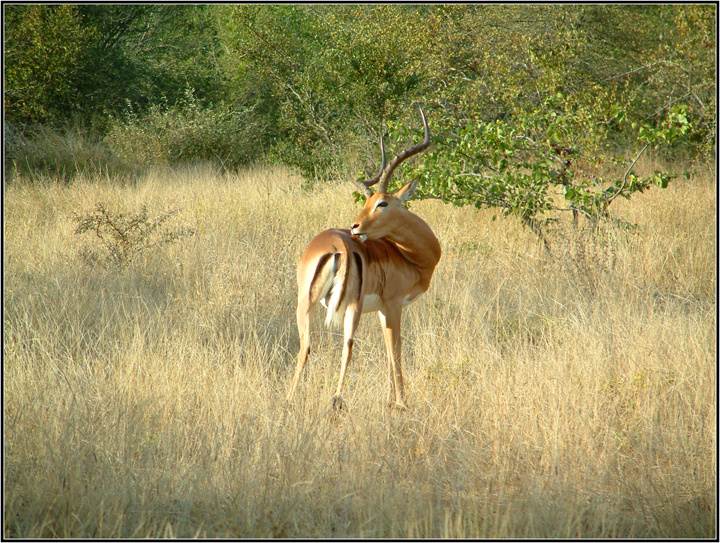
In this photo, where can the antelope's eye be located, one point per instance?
(381, 204)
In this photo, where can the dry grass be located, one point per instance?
(563, 396)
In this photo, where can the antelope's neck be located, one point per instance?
(417, 243)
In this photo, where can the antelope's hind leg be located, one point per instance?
(350, 324)
(305, 311)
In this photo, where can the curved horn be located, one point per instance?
(365, 185)
(407, 153)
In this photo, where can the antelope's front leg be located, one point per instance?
(390, 319)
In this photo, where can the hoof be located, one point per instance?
(337, 403)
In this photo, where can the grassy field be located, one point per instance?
(570, 395)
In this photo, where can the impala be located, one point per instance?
(382, 263)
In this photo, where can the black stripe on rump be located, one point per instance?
(345, 282)
(358, 263)
(320, 265)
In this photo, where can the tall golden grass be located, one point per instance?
(562, 395)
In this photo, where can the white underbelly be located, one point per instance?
(373, 302)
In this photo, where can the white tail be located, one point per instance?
(335, 295)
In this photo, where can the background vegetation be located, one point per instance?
(165, 166)
(312, 86)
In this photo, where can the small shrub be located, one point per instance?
(122, 236)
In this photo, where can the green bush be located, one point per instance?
(186, 131)
(33, 153)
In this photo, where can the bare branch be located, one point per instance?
(622, 187)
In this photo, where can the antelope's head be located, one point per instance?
(383, 212)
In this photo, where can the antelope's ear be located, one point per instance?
(406, 192)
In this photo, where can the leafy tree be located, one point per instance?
(322, 74)
(525, 168)
(634, 60)
(88, 60)
(148, 53)
(538, 107)
(44, 47)
(325, 79)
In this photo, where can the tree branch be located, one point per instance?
(622, 187)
